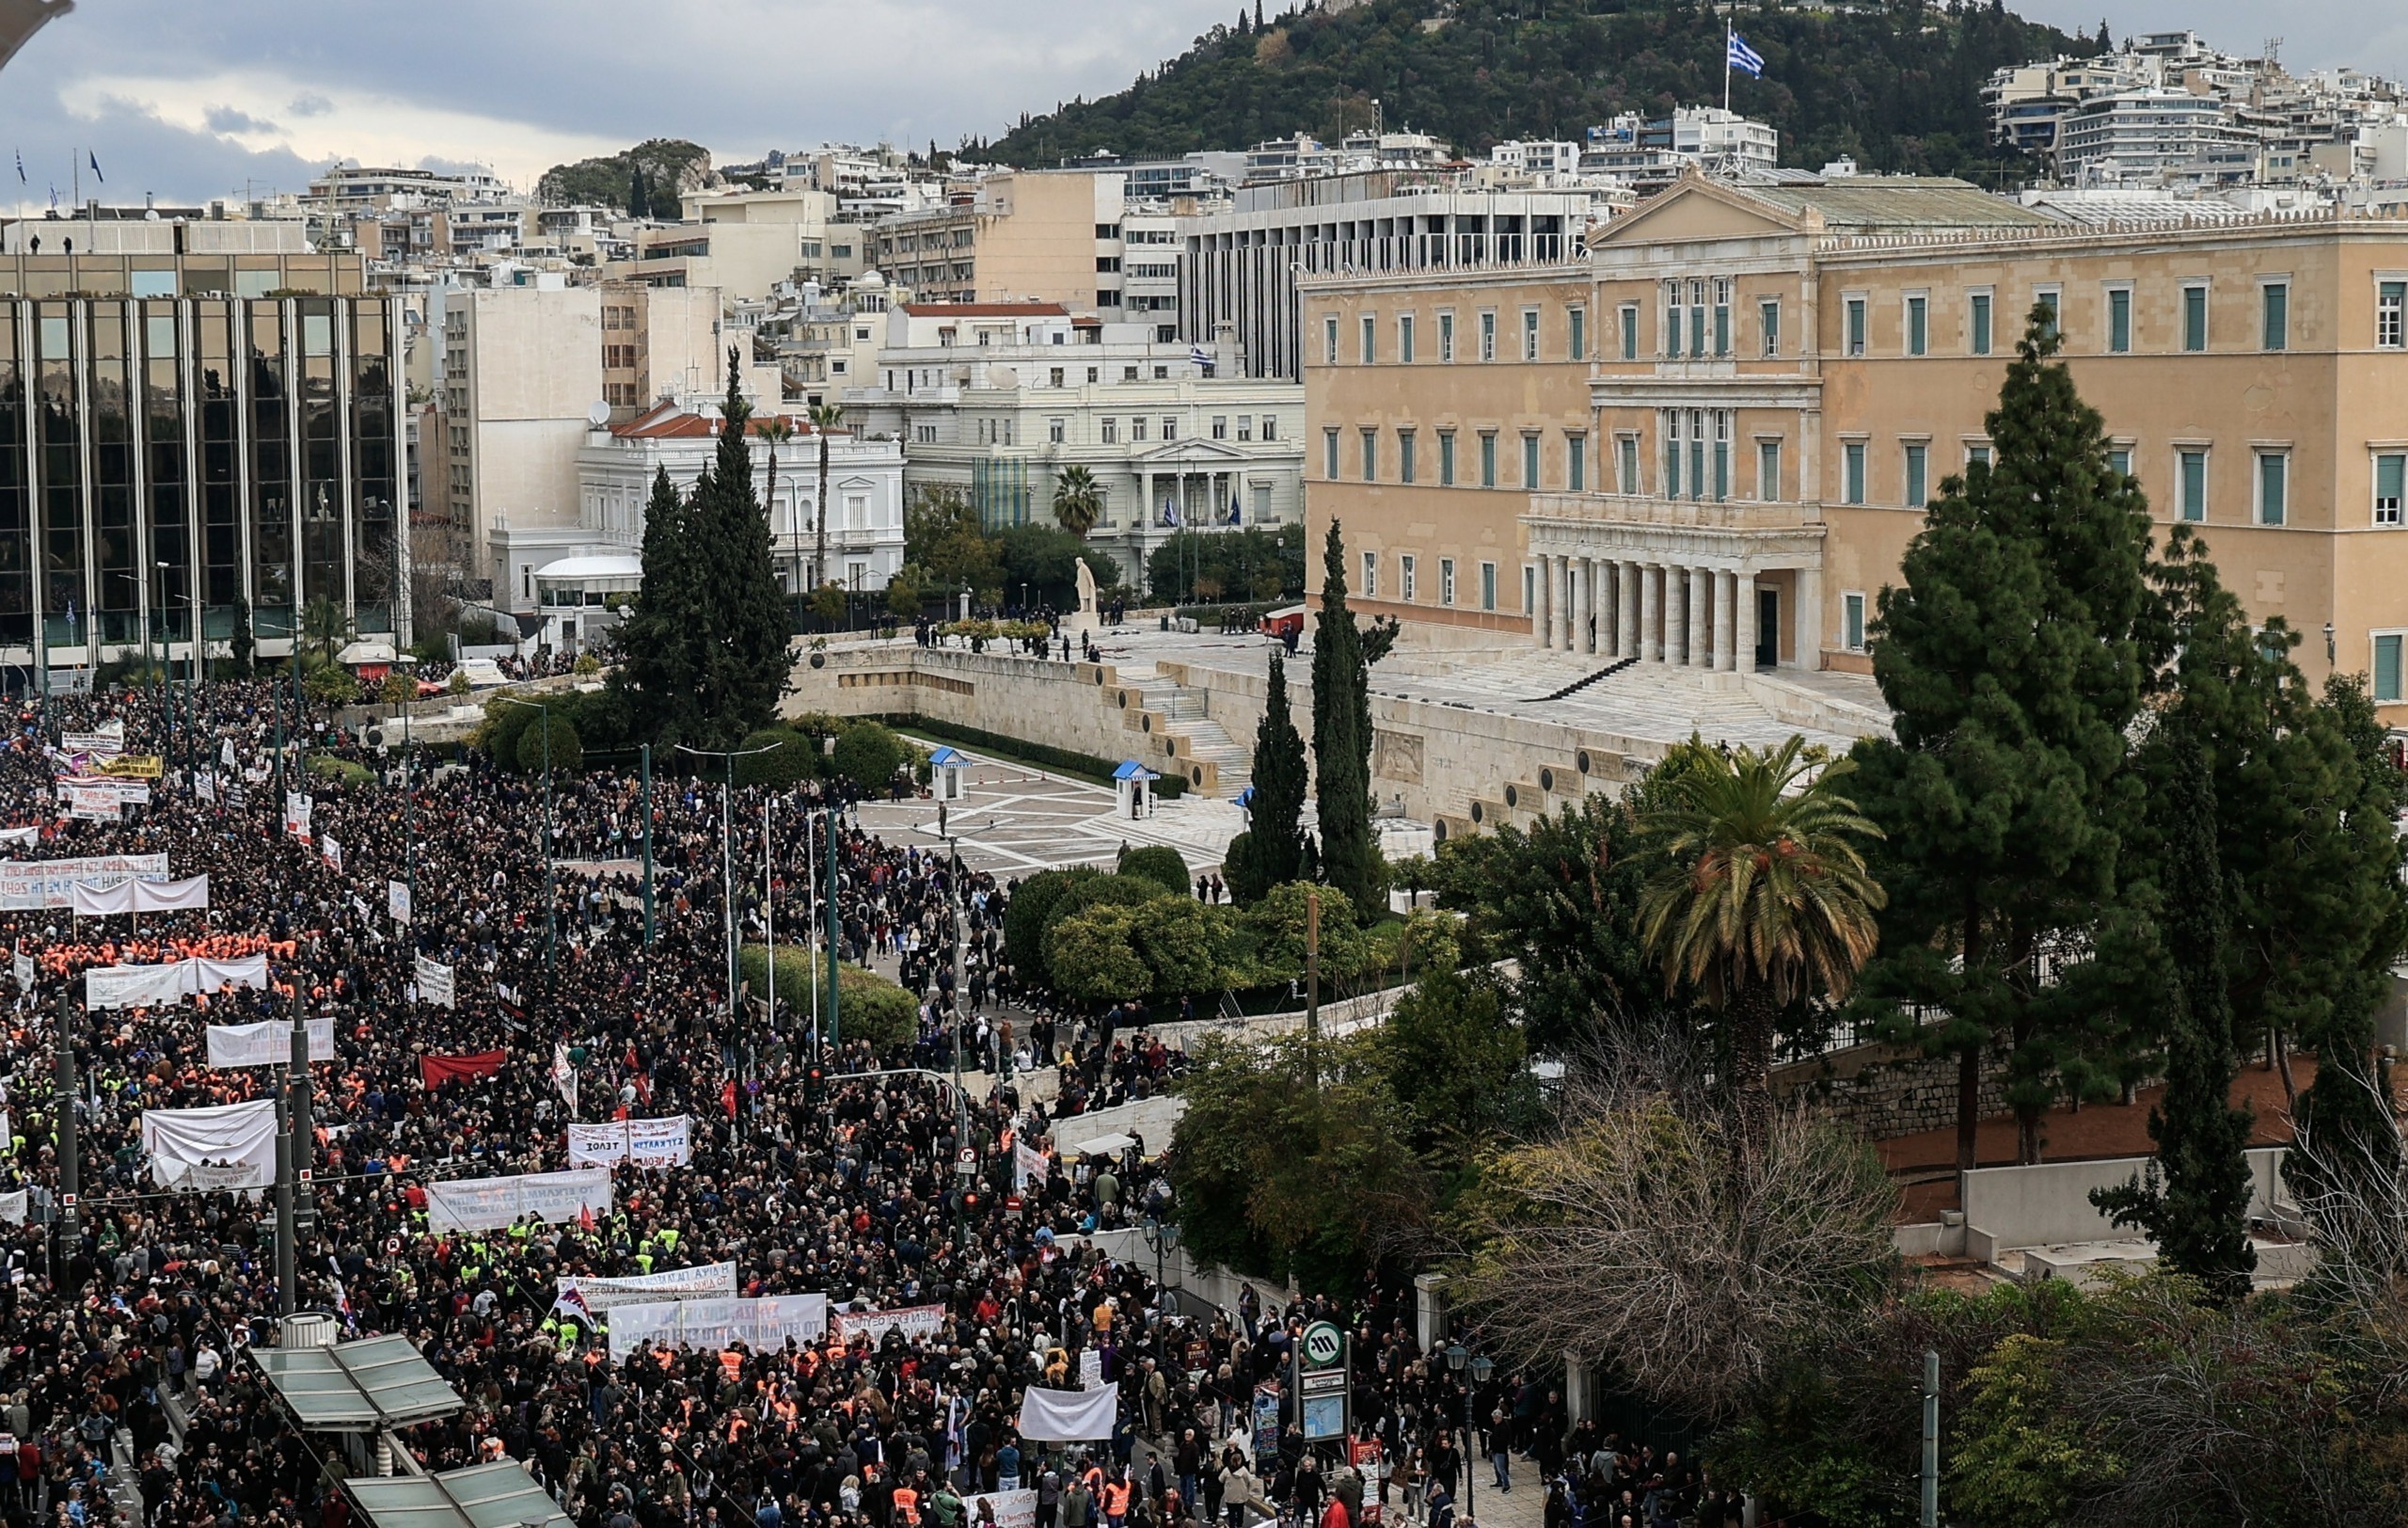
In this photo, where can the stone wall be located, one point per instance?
(1886, 1090)
(1060, 705)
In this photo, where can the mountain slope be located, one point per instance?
(1895, 83)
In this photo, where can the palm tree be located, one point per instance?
(1078, 503)
(777, 430)
(325, 626)
(824, 417)
(1760, 896)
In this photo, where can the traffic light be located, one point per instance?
(814, 1086)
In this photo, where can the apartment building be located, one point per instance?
(231, 415)
(1021, 236)
(1782, 377)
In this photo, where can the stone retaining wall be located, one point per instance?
(1886, 1090)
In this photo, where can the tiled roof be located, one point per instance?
(986, 310)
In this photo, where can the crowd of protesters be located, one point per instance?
(816, 1166)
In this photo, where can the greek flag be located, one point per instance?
(1198, 356)
(1745, 59)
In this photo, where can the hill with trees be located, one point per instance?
(1896, 83)
(645, 181)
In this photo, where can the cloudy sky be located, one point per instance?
(194, 99)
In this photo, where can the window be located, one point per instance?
(1530, 334)
(1488, 336)
(1575, 462)
(1768, 321)
(1855, 326)
(1696, 319)
(1329, 340)
(1672, 320)
(1696, 453)
(1128, 373)
(1918, 475)
(1918, 325)
(1671, 453)
(2387, 665)
(1329, 454)
(1488, 586)
(2390, 305)
(1722, 315)
(2274, 485)
(1446, 580)
(2119, 321)
(1721, 455)
(1054, 429)
(1446, 337)
(1577, 326)
(1852, 622)
(1220, 426)
(1978, 323)
(1055, 376)
(1768, 470)
(1627, 452)
(1488, 458)
(1853, 492)
(1370, 574)
(1445, 458)
(1530, 461)
(2390, 476)
(1370, 455)
(1630, 315)
(1406, 466)
(2274, 316)
(2119, 460)
(2190, 477)
(2195, 317)
(1246, 427)
(1407, 585)
(1111, 432)
(1529, 589)
(1137, 428)
(1370, 339)
(1405, 338)
(1271, 426)
(1170, 426)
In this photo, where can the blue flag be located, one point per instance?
(1745, 59)
(96, 167)
(21, 166)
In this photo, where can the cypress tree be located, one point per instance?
(744, 666)
(659, 641)
(2013, 658)
(2194, 1199)
(638, 195)
(1272, 850)
(1342, 659)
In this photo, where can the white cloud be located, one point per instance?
(338, 122)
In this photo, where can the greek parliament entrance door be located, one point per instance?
(1767, 628)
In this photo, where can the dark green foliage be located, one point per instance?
(505, 723)
(1019, 751)
(1159, 864)
(1046, 559)
(942, 537)
(2194, 1202)
(2013, 658)
(1271, 851)
(568, 752)
(1457, 1064)
(659, 165)
(1032, 905)
(638, 197)
(792, 758)
(240, 649)
(656, 643)
(1102, 891)
(868, 755)
(1342, 659)
(1250, 563)
(1898, 86)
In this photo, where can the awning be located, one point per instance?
(1103, 1145)
(358, 1387)
(497, 1495)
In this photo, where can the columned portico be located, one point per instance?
(1627, 609)
(1701, 652)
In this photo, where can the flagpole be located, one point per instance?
(1729, 31)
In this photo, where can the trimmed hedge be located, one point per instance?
(1062, 760)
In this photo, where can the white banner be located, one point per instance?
(226, 752)
(1013, 1509)
(21, 965)
(709, 1281)
(912, 1321)
(331, 852)
(296, 815)
(186, 896)
(204, 785)
(92, 803)
(268, 1043)
(108, 742)
(435, 984)
(1029, 1166)
(1067, 1416)
(397, 900)
(12, 1207)
(29, 834)
(148, 986)
(648, 1143)
(761, 1325)
(491, 1203)
(25, 885)
(128, 791)
(241, 1134)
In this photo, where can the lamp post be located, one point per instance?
(726, 857)
(408, 665)
(550, 896)
(1459, 1359)
(1162, 1234)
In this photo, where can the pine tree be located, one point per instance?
(744, 662)
(638, 195)
(2013, 658)
(1342, 659)
(1273, 843)
(2194, 1199)
(659, 640)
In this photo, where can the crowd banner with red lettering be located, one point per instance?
(268, 1043)
(296, 815)
(435, 983)
(438, 1069)
(90, 901)
(93, 803)
(1013, 1509)
(491, 1203)
(762, 1325)
(912, 1321)
(331, 852)
(170, 981)
(1067, 1416)
(648, 1143)
(27, 885)
(704, 1281)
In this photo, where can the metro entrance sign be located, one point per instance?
(1324, 1346)
(1322, 1389)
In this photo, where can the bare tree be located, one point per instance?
(437, 563)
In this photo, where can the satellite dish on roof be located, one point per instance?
(598, 415)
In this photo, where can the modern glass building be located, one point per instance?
(180, 433)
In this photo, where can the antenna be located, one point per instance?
(2273, 51)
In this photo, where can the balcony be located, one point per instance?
(1616, 509)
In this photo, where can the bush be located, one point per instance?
(587, 663)
(458, 683)
(399, 689)
(1094, 952)
(1102, 891)
(566, 754)
(330, 684)
(792, 758)
(1277, 927)
(505, 722)
(869, 1007)
(1026, 915)
(1159, 864)
(341, 771)
(868, 755)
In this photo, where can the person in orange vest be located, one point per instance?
(907, 1506)
(1116, 1501)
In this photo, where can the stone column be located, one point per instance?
(1701, 618)
(1724, 647)
(1627, 609)
(1584, 634)
(1743, 629)
(1651, 640)
(1810, 617)
(1676, 625)
(1543, 618)
(1145, 499)
(1608, 585)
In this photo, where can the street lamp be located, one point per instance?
(726, 856)
(1459, 1358)
(551, 898)
(1162, 1234)
(407, 664)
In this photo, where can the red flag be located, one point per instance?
(727, 1098)
(585, 1218)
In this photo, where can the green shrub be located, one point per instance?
(1024, 917)
(1094, 952)
(1159, 864)
(505, 723)
(868, 755)
(869, 1007)
(343, 770)
(566, 753)
(792, 758)
(331, 684)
